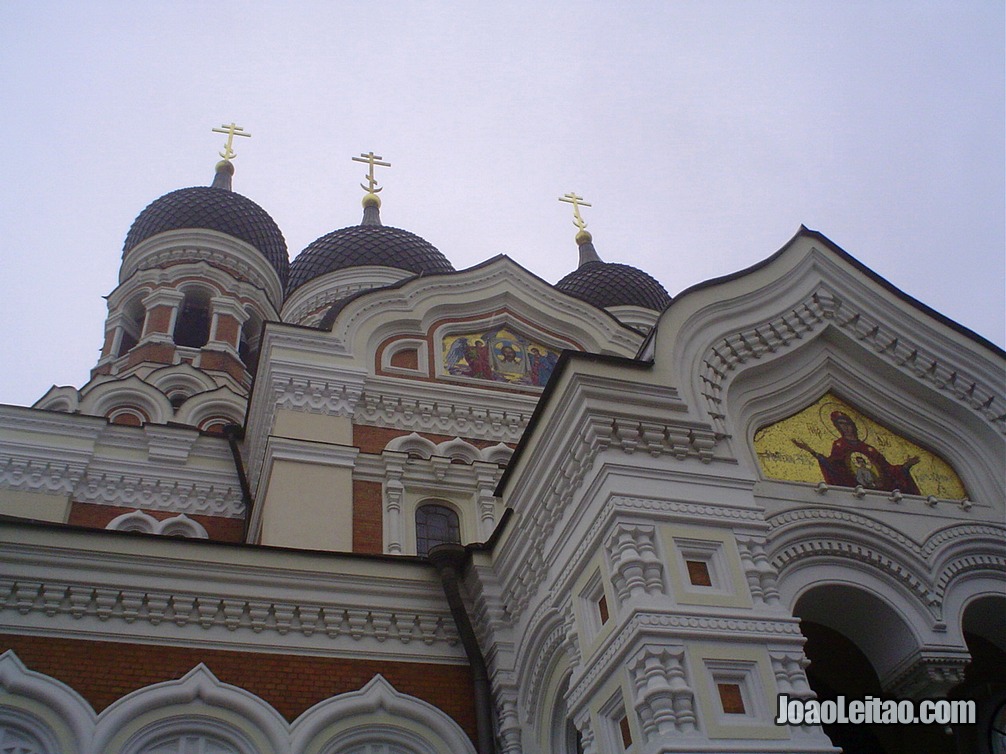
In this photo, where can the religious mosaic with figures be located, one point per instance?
(832, 442)
(499, 355)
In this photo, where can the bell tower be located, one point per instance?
(202, 269)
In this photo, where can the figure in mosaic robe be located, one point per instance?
(853, 460)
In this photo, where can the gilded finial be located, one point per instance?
(577, 201)
(371, 159)
(231, 130)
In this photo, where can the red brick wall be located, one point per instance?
(102, 672)
(222, 362)
(227, 329)
(97, 517)
(368, 523)
(158, 353)
(406, 359)
(158, 319)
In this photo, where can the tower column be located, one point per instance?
(162, 313)
(225, 328)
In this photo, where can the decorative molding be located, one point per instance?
(925, 570)
(154, 590)
(825, 307)
(210, 255)
(196, 610)
(637, 572)
(309, 302)
(663, 700)
(762, 578)
(523, 582)
(834, 548)
(443, 414)
(68, 708)
(317, 396)
(176, 526)
(790, 671)
(675, 628)
(927, 674)
(233, 714)
(971, 563)
(133, 490)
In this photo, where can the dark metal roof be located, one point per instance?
(606, 284)
(362, 245)
(213, 209)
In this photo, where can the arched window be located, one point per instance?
(435, 525)
(195, 744)
(134, 315)
(192, 327)
(16, 741)
(248, 348)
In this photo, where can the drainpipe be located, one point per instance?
(449, 560)
(234, 432)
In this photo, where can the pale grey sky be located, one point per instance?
(703, 133)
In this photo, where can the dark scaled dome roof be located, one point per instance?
(213, 208)
(367, 244)
(607, 284)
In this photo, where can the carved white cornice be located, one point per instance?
(89, 460)
(924, 570)
(309, 302)
(445, 409)
(711, 335)
(160, 493)
(498, 284)
(192, 592)
(901, 349)
(212, 249)
(674, 629)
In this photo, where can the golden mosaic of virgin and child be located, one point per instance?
(501, 356)
(854, 462)
(831, 442)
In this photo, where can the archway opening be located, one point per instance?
(984, 628)
(853, 638)
(192, 328)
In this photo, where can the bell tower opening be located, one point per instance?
(192, 328)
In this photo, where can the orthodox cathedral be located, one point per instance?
(366, 503)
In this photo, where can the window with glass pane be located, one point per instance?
(435, 525)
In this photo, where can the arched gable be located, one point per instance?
(197, 704)
(377, 714)
(756, 347)
(500, 290)
(47, 713)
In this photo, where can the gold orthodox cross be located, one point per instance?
(371, 159)
(231, 130)
(577, 202)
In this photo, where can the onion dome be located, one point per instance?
(368, 244)
(607, 284)
(216, 208)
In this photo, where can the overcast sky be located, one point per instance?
(703, 133)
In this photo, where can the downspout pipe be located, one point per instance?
(233, 433)
(449, 559)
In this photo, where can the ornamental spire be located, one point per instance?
(371, 201)
(225, 169)
(583, 238)
(232, 130)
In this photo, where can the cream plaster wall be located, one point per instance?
(315, 427)
(309, 506)
(39, 506)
